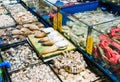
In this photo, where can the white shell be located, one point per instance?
(61, 44)
(56, 39)
(53, 34)
(48, 30)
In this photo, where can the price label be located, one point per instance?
(89, 46)
(55, 22)
(59, 22)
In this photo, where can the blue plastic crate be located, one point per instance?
(81, 7)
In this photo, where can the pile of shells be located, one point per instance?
(8, 38)
(72, 60)
(11, 35)
(20, 57)
(15, 8)
(95, 17)
(76, 70)
(24, 17)
(6, 21)
(39, 73)
(84, 76)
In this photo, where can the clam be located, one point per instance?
(40, 25)
(40, 35)
(31, 26)
(16, 32)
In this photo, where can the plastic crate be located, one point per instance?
(81, 7)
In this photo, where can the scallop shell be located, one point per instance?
(16, 31)
(48, 30)
(61, 44)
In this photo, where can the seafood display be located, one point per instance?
(95, 17)
(11, 35)
(74, 32)
(20, 57)
(71, 66)
(107, 44)
(50, 37)
(107, 50)
(6, 21)
(37, 73)
(3, 10)
(24, 17)
(50, 43)
(16, 8)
